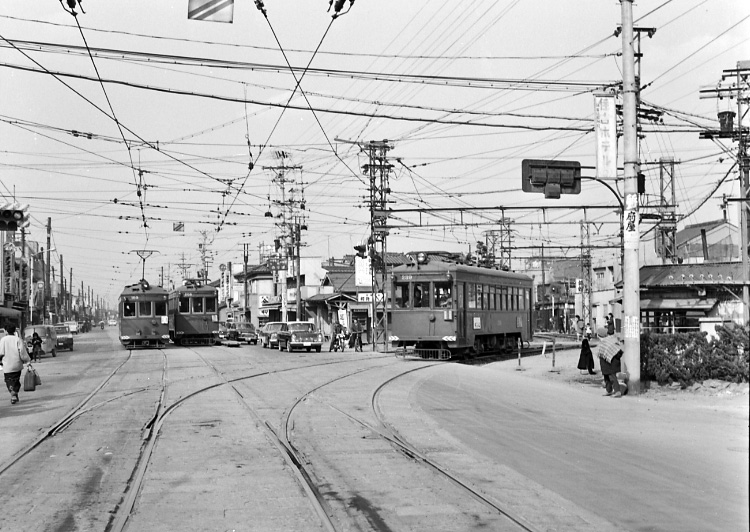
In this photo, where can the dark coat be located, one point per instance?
(613, 367)
(586, 360)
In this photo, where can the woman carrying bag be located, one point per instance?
(13, 354)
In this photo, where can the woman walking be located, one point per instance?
(13, 354)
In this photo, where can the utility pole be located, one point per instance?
(286, 237)
(740, 89)
(666, 236)
(47, 273)
(245, 256)
(586, 272)
(61, 291)
(379, 169)
(631, 235)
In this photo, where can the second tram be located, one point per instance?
(441, 310)
(193, 314)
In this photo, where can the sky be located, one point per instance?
(130, 112)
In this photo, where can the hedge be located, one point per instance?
(690, 357)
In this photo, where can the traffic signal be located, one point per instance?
(12, 217)
(552, 178)
(361, 249)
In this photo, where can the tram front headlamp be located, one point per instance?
(421, 257)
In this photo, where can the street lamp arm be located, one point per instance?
(619, 200)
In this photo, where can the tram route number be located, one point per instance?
(407, 277)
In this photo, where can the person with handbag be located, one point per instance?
(36, 347)
(13, 354)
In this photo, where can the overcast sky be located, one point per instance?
(462, 90)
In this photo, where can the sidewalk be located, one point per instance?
(560, 365)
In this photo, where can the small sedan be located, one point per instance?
(268, 334)
(300, 335)
(64, 337)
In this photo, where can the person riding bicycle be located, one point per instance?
(337, 332)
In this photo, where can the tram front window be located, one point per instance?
(443, 297)
(160, 308)
(198, 305)
(184, 305)
(128, 309)
(144, 308)
(421, 295)
(210, 304)
(401, 295)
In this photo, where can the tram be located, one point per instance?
(441, 310)
(193, 314)
(142, 310)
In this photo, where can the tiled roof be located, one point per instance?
(692, 274)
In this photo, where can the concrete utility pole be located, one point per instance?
(47, 280)
(631, 234)
(245, 256)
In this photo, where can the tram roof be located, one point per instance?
(138, 288)
(438, 266)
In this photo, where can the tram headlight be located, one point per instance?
(421, 257)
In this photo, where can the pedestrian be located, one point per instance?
(13, 354)
(588, 332)
(36, 347)
(586, 360)
(355, 340)
(610, 353)
(610, 324)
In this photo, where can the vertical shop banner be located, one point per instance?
(211, 10)
(605, 125)
(631, 236)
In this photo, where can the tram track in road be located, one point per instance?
(389, 434)
(60, 425)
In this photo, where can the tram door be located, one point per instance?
(461, 310)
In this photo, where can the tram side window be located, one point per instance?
(210, 304)
(472, 295)
(443, 297)
(184, 305)
(501, 293)
(421, 295)
(401, 295)
(514, 298)
(197, 305)
(160, 308)
(493, 295)
(128, 309)
(521, 299)
(478, 296)
(144, 308)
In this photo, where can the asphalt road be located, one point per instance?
(553, 453)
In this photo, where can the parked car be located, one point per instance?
(242, 332)
(222, 332)
(299, 335)
(267, 335)
(64, 337)
(112, 322)
(72, 326)
(47, 334)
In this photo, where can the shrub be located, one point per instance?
(690, 357)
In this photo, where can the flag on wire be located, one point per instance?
(212, 10)
(178, 226)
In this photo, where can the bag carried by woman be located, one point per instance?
(31, 379)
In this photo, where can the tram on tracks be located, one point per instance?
(193, 314)
(442, 310)
(142, 310)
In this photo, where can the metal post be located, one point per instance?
(245, 254)
(631, 235)
(47, 279)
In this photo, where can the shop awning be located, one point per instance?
(270, 306)
(689, 303)
(10, 313)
